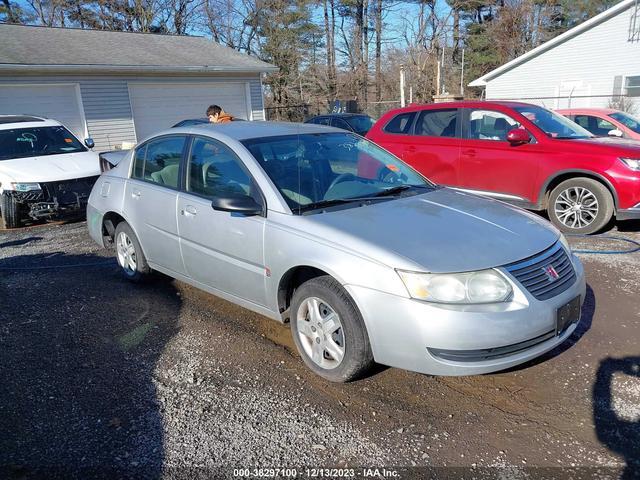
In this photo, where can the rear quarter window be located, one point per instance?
(400, 123)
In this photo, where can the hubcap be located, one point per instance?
(576, 207)
(126, 253)
(320, 332)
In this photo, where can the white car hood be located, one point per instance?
(50, 168)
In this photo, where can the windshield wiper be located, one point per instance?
(326, 203)
(400, 188)
(376, 197)
(336, 201)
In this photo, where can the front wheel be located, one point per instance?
(580, 205)
(9, 212)
(129, 254)
(329, 332)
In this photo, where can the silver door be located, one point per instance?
(222, 250)
(151, 200)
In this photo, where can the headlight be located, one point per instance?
(26, 187)
(632, 163)
(484, 286)
(565, 243)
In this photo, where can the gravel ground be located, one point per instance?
(157, 380)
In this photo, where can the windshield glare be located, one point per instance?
(314, 169)
(37, 141)
(629, 121)
(551, 123)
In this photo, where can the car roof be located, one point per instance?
(604, 111)
(258, 129)
(463, 104)
(341, 115)
(25, 121)
(19, 119)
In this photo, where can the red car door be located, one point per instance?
(434, 147)
(490, 165)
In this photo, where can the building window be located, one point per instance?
(633, 86)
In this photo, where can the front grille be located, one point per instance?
(489, 353)
(533, 274)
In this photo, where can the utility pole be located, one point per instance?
(442, 74)
(462, 76)
(402, 102)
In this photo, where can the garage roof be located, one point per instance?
(70, 49)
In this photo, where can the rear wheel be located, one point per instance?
(10, 212)
(580, 205)
(329, 332)
(129, 254)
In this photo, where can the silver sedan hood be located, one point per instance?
(443, 230)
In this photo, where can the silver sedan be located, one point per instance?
(365, 258)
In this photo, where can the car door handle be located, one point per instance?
(136, 194)
(410, 149)
(189, 211)
(469, 153)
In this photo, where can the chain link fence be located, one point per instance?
(304, 111)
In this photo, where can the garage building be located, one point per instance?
(595, 64)
(119, 87)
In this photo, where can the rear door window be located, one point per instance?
(400, 123)
(158, 161)
(596, 125)
(438, 123)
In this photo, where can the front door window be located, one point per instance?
(490, 125)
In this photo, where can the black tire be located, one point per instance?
(358, 358)
(9, 211)
(142, 269)
(596, 214)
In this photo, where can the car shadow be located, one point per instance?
(19, 242)
(78, 350)
(619, 434)
(629, 226)
(588, 311)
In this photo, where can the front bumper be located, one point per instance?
(56, 199)
(412, 335)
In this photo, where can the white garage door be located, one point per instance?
(159, 106)
(58, 102)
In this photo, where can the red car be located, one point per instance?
(604, 122)
(520, 153)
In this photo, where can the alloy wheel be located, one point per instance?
(576, 207)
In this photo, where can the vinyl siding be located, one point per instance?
(107, 107)
(588, 63)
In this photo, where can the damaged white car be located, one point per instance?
(45, 171)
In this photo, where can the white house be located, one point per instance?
(119, 87)
(586, 66)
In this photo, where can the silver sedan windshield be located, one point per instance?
(317, 170)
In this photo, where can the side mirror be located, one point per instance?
(89, 142)
(244, 205)
(615, 133)
(518, 136)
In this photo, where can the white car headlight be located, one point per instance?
(484, 286)
(565, 243)
(25, 187)
(632, 163)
